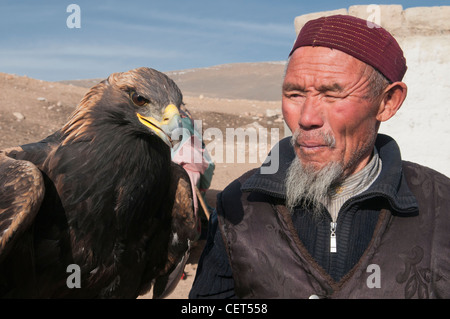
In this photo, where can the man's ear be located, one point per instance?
(393, 98)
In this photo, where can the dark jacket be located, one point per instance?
(392, 240)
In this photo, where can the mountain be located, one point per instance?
(259, 81)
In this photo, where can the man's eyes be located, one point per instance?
(295, 94)
(301, 95)
(332, 96)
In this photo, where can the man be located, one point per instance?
(344, 216)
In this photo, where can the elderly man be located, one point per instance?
(344, 216)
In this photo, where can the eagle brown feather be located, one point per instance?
(101, 193)
(23, 179)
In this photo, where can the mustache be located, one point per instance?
(326, 138)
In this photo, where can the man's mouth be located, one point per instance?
(314, 144)
(314, 141)
(310, 144)
(310, 147)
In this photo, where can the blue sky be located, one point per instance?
(166, 35)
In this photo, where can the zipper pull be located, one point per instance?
(333, 246)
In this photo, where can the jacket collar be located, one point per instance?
(390, 184)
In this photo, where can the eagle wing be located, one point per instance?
(21, 193)
(185, 230)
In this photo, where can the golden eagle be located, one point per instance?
(99, 201)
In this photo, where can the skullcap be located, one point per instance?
(359, 38)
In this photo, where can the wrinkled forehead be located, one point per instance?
(323, 64)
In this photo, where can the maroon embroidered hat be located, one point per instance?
(361, 39)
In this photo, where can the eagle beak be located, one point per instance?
(171, 120)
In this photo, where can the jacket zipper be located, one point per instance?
(333, 224)
(333, 245)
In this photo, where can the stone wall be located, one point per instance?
(401, 23)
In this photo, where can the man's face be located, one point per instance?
(325, 99)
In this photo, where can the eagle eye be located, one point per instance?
(137, 99)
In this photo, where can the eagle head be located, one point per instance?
(144, 100)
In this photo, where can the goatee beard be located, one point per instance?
(309, 187)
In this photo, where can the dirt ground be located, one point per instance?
(32, 109)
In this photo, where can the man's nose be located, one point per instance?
(311, 114)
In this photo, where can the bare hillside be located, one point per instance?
(248, 81)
